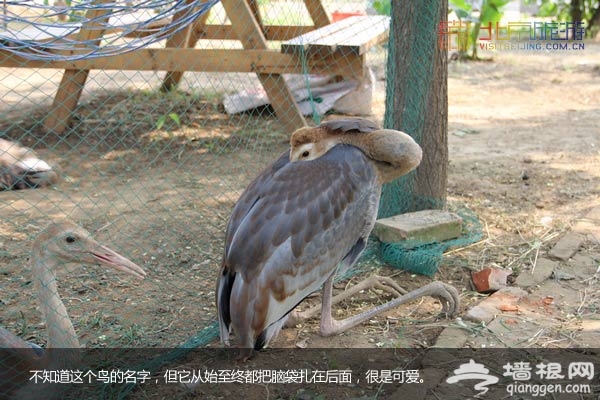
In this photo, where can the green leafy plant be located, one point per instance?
(160, 123)
(490, 11)
(383, 7)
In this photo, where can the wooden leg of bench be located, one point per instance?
(249, 32)
(283, 102)
(184, 38)
(172, 79)
(73, 80)
(65, 101)
(253, 4)
(317, 13)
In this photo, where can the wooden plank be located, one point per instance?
(283, 32)
(251, 37)
(364, 36)
(39, 36)
(206, 60)
(351, 35)
(73, 80)
(226, 32)
(311, 37)
(317, 13)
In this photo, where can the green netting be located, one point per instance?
(414, 90)
(426, 259)
(416, 103)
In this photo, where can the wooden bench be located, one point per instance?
(350, 36)
(324, 48)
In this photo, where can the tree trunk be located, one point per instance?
(417, 101)
(576, 10)
(594, 24)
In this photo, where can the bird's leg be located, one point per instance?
(447, 295)
(327, 321)
(373, 282)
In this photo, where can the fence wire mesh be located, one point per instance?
(143, 121)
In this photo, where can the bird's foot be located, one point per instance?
(384, 283)
(245, 354)
(446, 294)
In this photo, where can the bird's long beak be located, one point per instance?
(111, 258)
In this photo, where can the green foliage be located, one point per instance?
(491, 11)
(562, 11)
(163, 118)
(462, 9)
(383, 7)
(552, 9)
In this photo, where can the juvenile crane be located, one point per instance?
(20, 168)
(308, 215)
(60, 243)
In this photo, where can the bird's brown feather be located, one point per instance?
(331, 128)
(347, 125)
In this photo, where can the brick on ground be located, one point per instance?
(519, 326)
(487, 310)
(490, 279)
(512, 331)
(567, 246)
(564, 297)
(452, 337)
(421, 227)
(543, 270)
(581, 266)
(589, 224)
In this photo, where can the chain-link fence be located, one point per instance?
(148, 119)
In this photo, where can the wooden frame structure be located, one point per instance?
(323, 48)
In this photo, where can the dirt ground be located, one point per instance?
(524, 142)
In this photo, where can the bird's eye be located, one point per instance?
(305, 154)
(70, 239)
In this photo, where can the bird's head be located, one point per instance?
(65, 242)
(395, 153)
(309, 143)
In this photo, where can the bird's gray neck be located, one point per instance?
(394, 152)
(61, 333)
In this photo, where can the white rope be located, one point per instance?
(32, 30)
